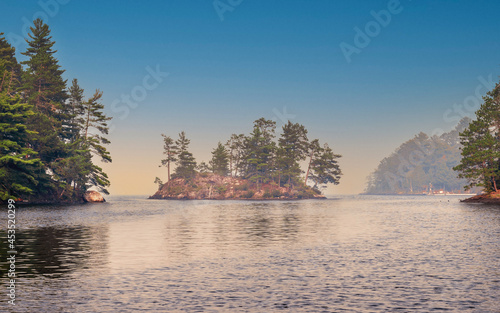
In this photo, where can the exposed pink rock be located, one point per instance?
(93, 196)
(216, 187)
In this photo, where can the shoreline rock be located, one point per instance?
(488, 198)
(92, 196)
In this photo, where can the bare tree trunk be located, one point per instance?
(3, 79)
(10, 82)
(88, 122)
(309, 167)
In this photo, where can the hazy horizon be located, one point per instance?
(167, 67)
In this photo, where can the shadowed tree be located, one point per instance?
(10, 69)
(170, 150)
(481, 145)
(220, 160)
(235, 146)
(19, 165)
(295, 146)
(186, 163)
(324, 166)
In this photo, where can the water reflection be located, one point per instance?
(54, 252)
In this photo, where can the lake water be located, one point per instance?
(352, 254)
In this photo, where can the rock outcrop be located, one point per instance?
(93, 196)
(489, 198)
(216, 187)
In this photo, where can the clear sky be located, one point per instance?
(363, 76)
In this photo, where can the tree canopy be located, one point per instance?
(261, 158)
(480, 164)
(49, 132)
(420, 165)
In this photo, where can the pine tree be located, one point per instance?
(220, 160)
(74, 112)
(10, 69)
(314, 147)
(159, 182)
(203, 168)
(44, 88)
(324, 166)
(43, 83)
(235, 147)
(259, 151)
(170, 150)
(186, 163)
(481, 145)
(19, 165)
(95, 126)
(295, 146)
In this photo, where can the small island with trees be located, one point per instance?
(253, 166)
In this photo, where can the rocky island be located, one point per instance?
(216, 187)
(253, 166)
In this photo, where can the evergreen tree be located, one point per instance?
(481, 145)
(159, 182)
(44, 89)
(95, 126)
(259, 151)
(220, 160)
(51, 155)
(186, 163)
(19, 165)
(314, 147)
(235, 147)
(10, 69)
(324, 166)
(170, 150)
(43, 86)
(74, 111)
(203, 168)
(295, 146)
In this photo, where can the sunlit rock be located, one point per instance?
(93, 196)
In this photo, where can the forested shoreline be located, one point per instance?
(464, 159)
(421, 165)
(262, 163)
(49, 132)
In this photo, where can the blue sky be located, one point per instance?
(266, 57)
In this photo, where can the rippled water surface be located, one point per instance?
(352, 254)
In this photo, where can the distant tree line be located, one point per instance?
(421, 165)
(480, 163)
(49, 132)
(259, 157)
